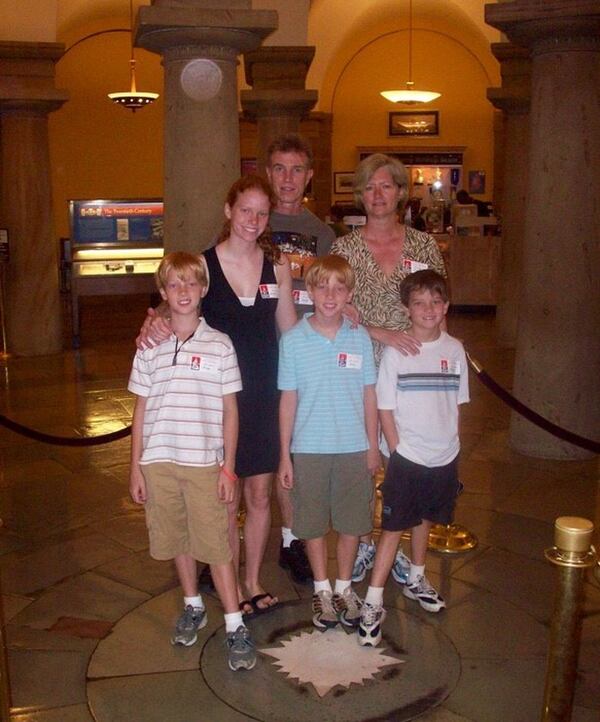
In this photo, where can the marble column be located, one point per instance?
(557, 367)
(513, 100)
(30, 278)
(278, 99)
(199, 44)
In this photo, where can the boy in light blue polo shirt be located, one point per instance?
(328, 421)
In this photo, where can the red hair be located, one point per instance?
(247, 183)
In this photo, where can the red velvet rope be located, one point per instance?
(486, 380)
(63, 440)
(529, 414)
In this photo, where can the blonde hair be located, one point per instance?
(323, 268)
(372, 163)
(182, 263)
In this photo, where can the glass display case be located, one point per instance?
(115, 247)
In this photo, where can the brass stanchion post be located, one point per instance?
(572, 553)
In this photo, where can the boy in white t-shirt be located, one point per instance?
(183, 443)
(418, 398)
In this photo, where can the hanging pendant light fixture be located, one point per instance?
(410, 96)
(132, 99)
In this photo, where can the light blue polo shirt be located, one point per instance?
(329, 376)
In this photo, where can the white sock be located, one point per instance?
(415, 572)
(374, 596)
(323, 586)
(233, 621)
(287, 536)
(195, 602)
(341, 585)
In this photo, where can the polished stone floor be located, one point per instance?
(88, 613)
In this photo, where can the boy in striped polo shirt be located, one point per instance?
(183, 443)
(328, 421)
(418, 399)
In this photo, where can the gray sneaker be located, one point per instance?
(241, 653)
(347, 607)
(188, 624)
(365, 558)
(324, 614)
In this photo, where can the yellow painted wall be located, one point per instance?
(360, 113)
(100, 150)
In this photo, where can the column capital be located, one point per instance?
(509, 103)
(278, 66)
(277, 103)
(515, 68)
(171, 23)
(548, 26)
(27, 73)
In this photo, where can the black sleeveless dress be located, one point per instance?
(254, 334)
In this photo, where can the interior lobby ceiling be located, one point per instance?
(72, 13)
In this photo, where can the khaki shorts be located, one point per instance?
(336, 486)
(184, 514)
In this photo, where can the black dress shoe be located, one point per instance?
(295, 560)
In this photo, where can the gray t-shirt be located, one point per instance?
(301, 237)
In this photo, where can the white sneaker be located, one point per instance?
(369, 629)
(365, 558)
(422, 591)
(401, 568)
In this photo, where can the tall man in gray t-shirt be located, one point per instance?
(302, 237)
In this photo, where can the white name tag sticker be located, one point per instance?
(449, 367)
(268, 290)
(301, 298)
(413, 266)
(349, 360)
(204, 363)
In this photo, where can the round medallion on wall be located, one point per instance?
(201, 79)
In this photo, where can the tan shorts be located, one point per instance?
(184, 514)
(332, 486)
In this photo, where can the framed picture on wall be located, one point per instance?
(476, 181)
(408, 122)
(342, 182)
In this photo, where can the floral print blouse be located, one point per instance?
(377, 296)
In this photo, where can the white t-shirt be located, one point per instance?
(424, 392)
(183, 419)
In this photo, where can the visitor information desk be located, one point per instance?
(116, 247)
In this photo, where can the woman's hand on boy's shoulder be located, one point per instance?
(154, 331)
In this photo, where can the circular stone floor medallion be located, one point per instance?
(331, 677)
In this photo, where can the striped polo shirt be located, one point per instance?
(329, 376)
(424, 392)
(184, 384)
